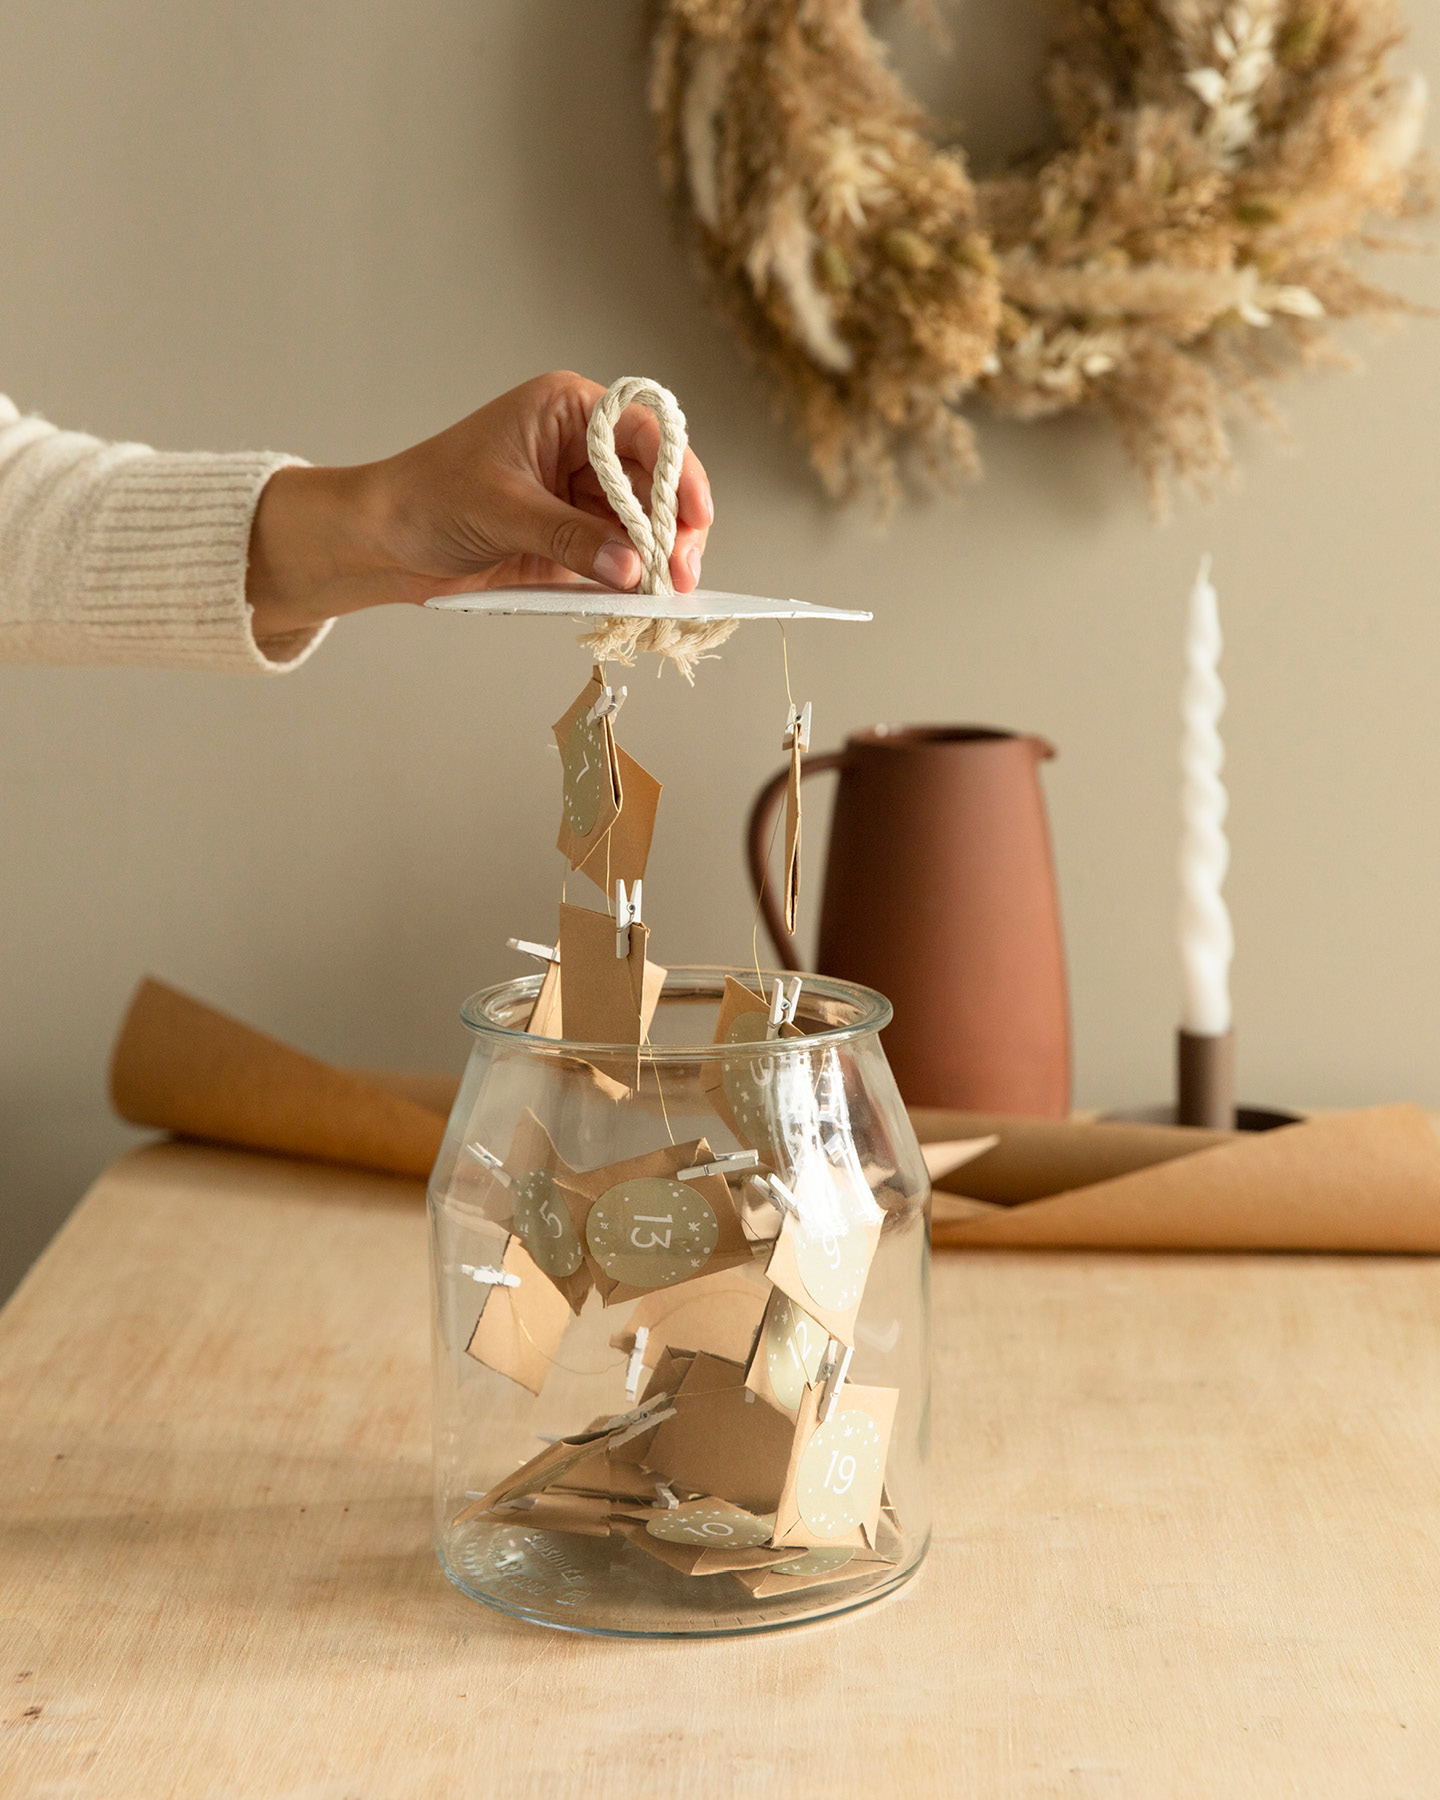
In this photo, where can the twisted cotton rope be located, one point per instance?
(680, 641)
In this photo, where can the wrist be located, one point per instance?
(316, 549)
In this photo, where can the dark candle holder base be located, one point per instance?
(1247, 1118)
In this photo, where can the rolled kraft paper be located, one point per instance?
(1359, 1181)
(183, 1067)
(1036, 1158)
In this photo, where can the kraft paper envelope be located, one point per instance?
(183, 1067)
(791, 886)
(520, 1328)
(687, 1228)
(722, 1441)
(719, 1313)
(610, 801)
(605, 998)
(1346, 1182)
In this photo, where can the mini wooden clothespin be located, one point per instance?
(635, 1368)
(797, 728)
(627, 913)
(491, 1161)
(608, 704)
(724, 1162)
(490, 1277)
(784, 1002)
(773, 1189)
(834, 1369)
(664, 1495)
(541, 952)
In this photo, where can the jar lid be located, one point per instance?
(587, 600)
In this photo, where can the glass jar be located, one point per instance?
(681, 1315)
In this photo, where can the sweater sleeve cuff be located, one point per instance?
(162, 575)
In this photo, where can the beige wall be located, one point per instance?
(332, 227)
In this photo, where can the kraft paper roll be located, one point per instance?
(1358, 1181)
(184, 1067)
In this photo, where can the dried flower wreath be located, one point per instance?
(1192, 237)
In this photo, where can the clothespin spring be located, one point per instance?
(834, 1368)
(627, 913)
(608, 704)
(797, 728)
(784, 1003)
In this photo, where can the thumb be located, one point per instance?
(597, 548)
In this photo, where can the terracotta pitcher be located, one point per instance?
(940, 892)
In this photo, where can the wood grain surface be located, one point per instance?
(1188, 1536)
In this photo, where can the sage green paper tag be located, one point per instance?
(651, 1232)
(838, 1481)
(587, 775)
(543, 1224)
(713, 1523)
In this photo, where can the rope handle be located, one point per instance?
(653, 537)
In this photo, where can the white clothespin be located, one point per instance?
(797, 728)
(773, 1189)
(784, 1003)
(491, 1161)
(725, 1162)
(834, 1368)
(627, 913)
(490, 1277)
(542, 952)
(665, 1497)
(606, 707)
(636, 1366)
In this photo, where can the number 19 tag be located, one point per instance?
(837, 1470)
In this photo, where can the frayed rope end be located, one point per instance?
(684, 642)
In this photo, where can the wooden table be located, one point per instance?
(1188, 1537)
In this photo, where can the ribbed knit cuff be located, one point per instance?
(162, 571)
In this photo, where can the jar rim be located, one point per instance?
(698, 980)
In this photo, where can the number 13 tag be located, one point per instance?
(642, 1228)
(836, 1476)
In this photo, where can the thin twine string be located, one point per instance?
(775, 828)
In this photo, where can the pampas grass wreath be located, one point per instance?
(1221, 169)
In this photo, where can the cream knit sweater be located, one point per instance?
(116, 553)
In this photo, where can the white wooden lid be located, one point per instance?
(585, 600)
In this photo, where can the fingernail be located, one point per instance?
(707, 505)
(692, 563)
(615, 565)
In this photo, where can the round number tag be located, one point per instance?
(794, 1346)
(749, 1087)
(585, 775)
(838, 1482)
(713, 1524)
(833, 1265)
(651, 1232)
(542, 1223)
(816, 1562)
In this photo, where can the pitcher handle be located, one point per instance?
(762, 818)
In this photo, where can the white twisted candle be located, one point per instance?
(1207, 942)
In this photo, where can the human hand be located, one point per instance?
(505, 496)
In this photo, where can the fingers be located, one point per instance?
(541, 525)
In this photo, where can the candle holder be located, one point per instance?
(1205, 1079)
